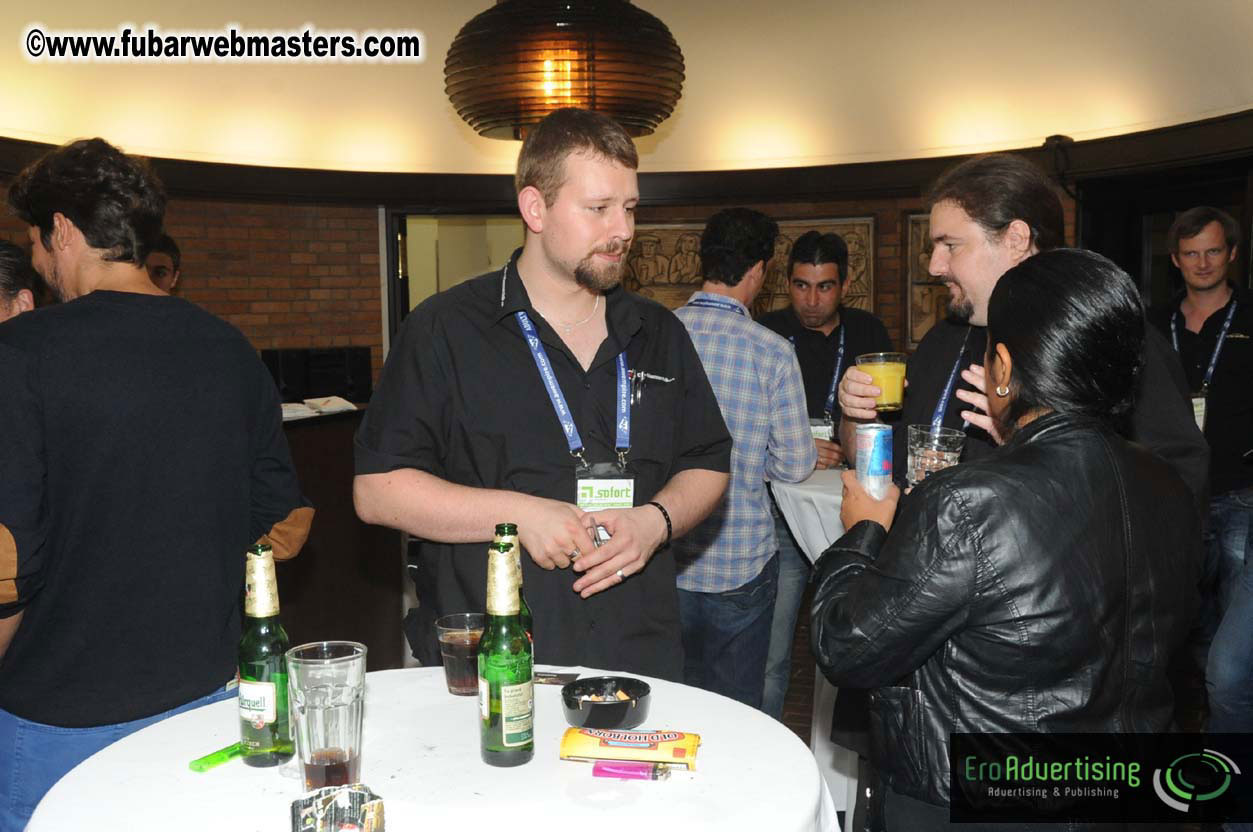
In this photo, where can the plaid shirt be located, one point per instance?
(758, 384)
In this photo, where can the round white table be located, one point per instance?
(812, 511)
(421, 755)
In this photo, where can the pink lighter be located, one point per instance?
(624, 770)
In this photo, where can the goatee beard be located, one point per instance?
(959, 311)
(589, 277)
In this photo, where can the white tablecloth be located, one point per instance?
(812, 511)
(421, 754)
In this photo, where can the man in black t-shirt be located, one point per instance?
(988, 214)
(827, 336)
(143, 453)
(1210, 325)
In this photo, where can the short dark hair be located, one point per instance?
(1193, 221)
(996, 189)
(817, 249)
(16, 272)
(542, 160)
(1074, 327)
(166, 245)
(115, 200)
(734, 240)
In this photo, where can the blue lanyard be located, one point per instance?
(1218, 347)
(835, 377)
(829, 408)
(558, 399)
(937, 418)
(725, 305)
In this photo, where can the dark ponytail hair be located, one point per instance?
(1074, 327)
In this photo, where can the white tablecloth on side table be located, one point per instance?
(812, 511)
(421, 755)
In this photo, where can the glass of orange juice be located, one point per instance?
(888, 371)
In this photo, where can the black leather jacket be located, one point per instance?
(1043, 588)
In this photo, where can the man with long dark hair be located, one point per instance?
(988, 214)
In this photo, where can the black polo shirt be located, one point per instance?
(1161, 418)
(816, 352)
(460, 397)
(1229, 405)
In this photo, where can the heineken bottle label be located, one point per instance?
(517, 711)
(258, 703)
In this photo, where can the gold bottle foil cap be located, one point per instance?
(504, 577)
(260, 585)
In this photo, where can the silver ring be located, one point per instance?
(575, 554)
(621, 576)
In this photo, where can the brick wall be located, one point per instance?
(288, 275)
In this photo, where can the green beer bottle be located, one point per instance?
(508, 533)
(506, 704)
(265, 734)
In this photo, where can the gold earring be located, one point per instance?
(1002, 391)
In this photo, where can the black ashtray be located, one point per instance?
(611, 711)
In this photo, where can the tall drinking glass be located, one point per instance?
(326, 693)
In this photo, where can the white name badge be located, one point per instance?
(596, 493)
(821, 429)
(1198, 411)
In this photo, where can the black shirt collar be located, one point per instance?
(624, 316)
(1238, 295)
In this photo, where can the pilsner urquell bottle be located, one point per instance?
(265, 734)
(506, 704)
(508, 533)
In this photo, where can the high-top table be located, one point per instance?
(421, 755)
(812, 511)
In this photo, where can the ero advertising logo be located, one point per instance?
(1194, 778)
(1097, 778)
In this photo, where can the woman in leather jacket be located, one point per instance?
(1042, 589)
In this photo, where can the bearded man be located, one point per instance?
(546, 395)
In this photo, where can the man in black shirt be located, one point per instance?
(988, 214)
(545, 394)
(1210, 325)
(827, 337)
(143, 453)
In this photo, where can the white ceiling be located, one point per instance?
(785, 83)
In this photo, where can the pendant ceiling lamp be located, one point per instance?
(521, 59)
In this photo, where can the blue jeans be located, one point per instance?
(1228, 544)
(34, 756)
(794, 569)
(726, 635)
(1229, 670)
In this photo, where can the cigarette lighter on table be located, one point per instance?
(624, 770)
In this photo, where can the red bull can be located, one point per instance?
(874, 459)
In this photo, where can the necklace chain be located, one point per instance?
(568, 328)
